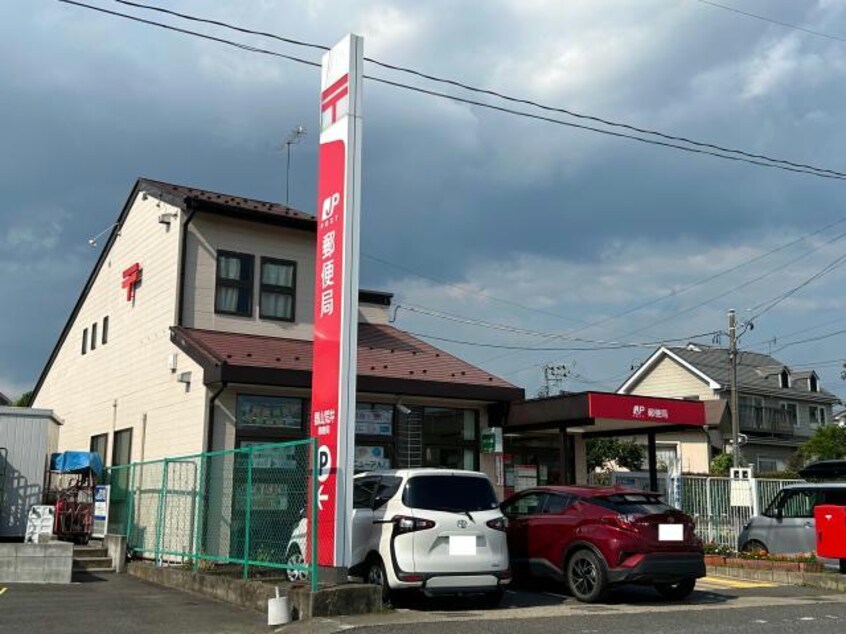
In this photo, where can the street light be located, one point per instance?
(293, 138)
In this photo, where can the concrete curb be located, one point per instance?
(347, 599)
(822, 580)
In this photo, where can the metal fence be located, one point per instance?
(245, 508)
(721, 506)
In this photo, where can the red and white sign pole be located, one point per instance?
(333, 391)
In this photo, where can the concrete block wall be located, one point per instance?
(36, 563)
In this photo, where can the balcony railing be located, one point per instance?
(772, 421)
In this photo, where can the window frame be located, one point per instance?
(281, 290)
(249, 285)
(787, 407)
(105, 437)
(115, 445)
(539, 510)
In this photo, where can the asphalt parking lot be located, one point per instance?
(118, 603)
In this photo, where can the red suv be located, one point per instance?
(594, 537)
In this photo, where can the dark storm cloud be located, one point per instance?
(90, 103)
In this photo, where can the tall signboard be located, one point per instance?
(336, 296)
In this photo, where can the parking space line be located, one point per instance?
(735, 584)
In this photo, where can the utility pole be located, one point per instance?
(554, 376)
(735, 418)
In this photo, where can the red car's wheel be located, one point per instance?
(587, 576)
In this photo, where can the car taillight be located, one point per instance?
(498, 524)
(404, 524)
(622, 522)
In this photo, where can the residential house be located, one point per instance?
(5, 401)
(778, 407)
(194, 332)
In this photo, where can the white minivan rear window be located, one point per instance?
(449, 493)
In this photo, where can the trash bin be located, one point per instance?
(830, 522)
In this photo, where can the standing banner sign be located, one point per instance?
(102, 494)
(333, 388)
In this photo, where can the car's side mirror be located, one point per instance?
(779, 514)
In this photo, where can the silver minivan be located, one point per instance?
(787, 525)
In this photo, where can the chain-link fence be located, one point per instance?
(720, 506)
(245, 508)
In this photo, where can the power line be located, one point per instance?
(484, 91)
(471, 291)
(810, 340)
(828, 268)
(724, 153)
(763, 18)
(535, 333)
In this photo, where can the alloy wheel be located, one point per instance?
(295, 558)
(584, 576)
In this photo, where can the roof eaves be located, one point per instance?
(653, 361)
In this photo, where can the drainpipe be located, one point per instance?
(210, 423)
(183, 256)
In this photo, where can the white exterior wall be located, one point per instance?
(208, 234)
(115, 385)
(670, 379)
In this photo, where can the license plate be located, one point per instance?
(462, 545)
(670, 532)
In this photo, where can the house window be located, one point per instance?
(93, 336)
(278, 289)
(85, 341)
(784, 379)
(791, 413)
(450, 438)
(122, 449)
(234, 289)
(813, 383)
(816, 415)
(99, 444)
(766, 465)
(105, 330)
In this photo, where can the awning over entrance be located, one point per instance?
(601, 413)
(596, 414)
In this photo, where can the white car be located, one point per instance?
(437, 530)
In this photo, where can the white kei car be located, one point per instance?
(437, 530)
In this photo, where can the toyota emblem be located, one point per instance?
(462, 523)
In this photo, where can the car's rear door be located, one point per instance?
(551, 531)
(460, 505)
(520, 511)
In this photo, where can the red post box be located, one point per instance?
(830, 524)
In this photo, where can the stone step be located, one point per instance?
(89, 551)
(91, 563)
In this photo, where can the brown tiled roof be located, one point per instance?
(385, 354)
(227, 200)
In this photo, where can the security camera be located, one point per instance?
(403, 409)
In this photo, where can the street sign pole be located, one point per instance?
(336, 299)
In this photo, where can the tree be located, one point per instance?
(827, 443)
(24, 400)
(601, 451)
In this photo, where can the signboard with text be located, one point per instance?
(336, 296)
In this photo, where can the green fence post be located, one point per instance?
(130, 513)
(314, 501)
(198, 521)
(162, 511)
(248, 513)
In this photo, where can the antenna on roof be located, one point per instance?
(294, 136)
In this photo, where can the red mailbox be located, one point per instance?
(830, 523)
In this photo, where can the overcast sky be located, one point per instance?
(481, 215)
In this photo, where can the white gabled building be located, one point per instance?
(193, 332)
(779, 408)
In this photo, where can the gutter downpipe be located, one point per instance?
(210, 420)
(189, 205)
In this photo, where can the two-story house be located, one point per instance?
(778, 408)
(194, 333)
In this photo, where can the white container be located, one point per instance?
(278, 610)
